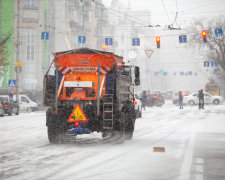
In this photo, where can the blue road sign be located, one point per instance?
(108, 41)
(44, 35)
(81, 39)
(218, 32)
(136, 42)
(183, 38)
(214, 64)
(12, 83)
(206, 63)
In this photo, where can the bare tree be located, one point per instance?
(215, 45)
(3, 53)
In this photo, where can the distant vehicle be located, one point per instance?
(155, 99)
(169, 94)
(26, 104)
(10, 106)
(138, 108)
(212, 88)
(1, 109)
(192, 99)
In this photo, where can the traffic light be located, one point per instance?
(104, 47)
(158, 41)
(204, 33)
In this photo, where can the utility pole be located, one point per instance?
(18, 61)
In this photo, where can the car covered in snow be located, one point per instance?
(192, 99)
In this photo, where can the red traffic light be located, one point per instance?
(204, 33)
(157, 39)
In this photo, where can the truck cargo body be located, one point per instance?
(94, 93)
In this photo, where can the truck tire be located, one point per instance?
(52, 134)
(129, 130)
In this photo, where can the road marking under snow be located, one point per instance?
(187, 162)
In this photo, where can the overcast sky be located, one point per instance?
(187, 9)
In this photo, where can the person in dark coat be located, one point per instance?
(201, 99)
(144, 99)
(180, 100)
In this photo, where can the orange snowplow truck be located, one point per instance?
(90, 91)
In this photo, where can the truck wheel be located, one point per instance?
(129, 130)
(53, 136)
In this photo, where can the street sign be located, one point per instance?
(77, 115)
(81, 39)
(44, 35)
(218, 32)
(18, 63)
(12, 83)
(108, 41)
(214, 64)
(183, 38)
(206, 63)
(136, 42)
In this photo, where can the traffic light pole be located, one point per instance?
(18, 52)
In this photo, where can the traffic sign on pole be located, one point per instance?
(218, 32)
(136, 42)
(12, 83)
(108, 41)
(81, 39)
(183, 38)
(44, 35)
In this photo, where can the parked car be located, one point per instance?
(192, 99)
(138, 107)
(155, 99)
(10, 106)
(26, 104)
(1, 109)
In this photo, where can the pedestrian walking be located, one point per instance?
(201, 99)
(143, 99)
(180, 100)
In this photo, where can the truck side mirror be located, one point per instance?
(137, 76)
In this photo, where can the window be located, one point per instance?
(190, 73)
(174, 73)
(181, 73)
(24, 99)
(30, 44)
(30, 3)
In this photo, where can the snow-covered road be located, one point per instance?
(25, 152)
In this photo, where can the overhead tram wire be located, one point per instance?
(166, 11)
